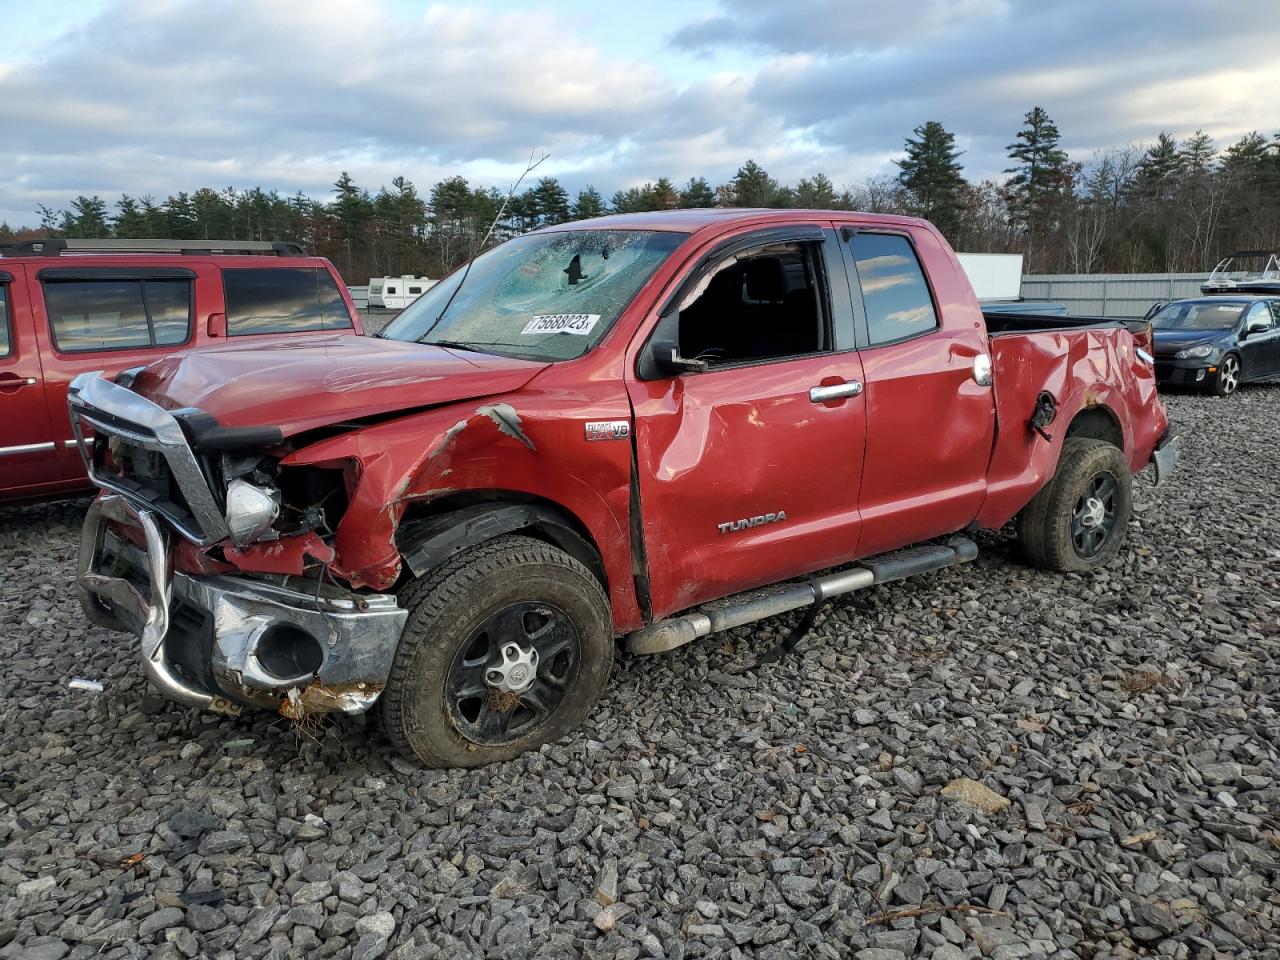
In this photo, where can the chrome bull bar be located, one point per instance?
(353, 638)
(127, 606)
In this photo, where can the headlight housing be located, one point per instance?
(1196, 353)
(250, 511)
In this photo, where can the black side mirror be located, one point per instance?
(1255, 326)
(665, 355)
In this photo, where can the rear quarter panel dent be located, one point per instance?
(1080, 369)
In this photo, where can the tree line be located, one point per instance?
(1173, 205)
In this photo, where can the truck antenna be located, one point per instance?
(528, 169)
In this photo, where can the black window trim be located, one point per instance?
(6, 318)
(848, 232)
(78, 276)
(351, 321)
(115, 273)
(811, 237)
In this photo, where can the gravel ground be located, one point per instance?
(1125, 725)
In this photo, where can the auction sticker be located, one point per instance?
(580, 323)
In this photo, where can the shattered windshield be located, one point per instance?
(546, 296)
(1198, 315)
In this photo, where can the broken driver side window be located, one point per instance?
(762, 304)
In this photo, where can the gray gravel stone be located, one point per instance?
(1131, 718)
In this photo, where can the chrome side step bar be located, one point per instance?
(755, 605)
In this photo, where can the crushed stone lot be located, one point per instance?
(1123, 730)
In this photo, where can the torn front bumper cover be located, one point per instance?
(222, 641)
(1165, 456)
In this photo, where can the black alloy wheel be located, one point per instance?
(1093, 520)
(512, 673)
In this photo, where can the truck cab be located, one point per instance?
(71, 306)
(648, 428)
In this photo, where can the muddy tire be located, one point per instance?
(507, 647)
(1079, 519)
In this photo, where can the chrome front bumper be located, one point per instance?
(345, 642)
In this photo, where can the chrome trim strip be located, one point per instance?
(113, 410)
(27, 448)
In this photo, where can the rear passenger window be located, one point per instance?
(283, 300)
(894, 291)
(169, 303)
(93, 315)
(5, 341)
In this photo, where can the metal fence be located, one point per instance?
(1110, 294)
(1085, 294)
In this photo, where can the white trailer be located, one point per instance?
(396, 293)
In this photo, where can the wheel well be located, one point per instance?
(1097, 423)
(432, 531)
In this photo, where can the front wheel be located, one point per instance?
(1227, 378)
(1078, 520)
(507, 647)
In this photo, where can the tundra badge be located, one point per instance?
(608, 429)
(730, 526)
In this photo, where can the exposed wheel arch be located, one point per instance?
(1097, 423)
(432, 532)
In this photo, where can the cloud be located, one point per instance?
(157, 96)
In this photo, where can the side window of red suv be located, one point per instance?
(118, 314)
(283, 300)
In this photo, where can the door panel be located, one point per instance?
(28, 454)
(930, 425)
(1260, 352)
(740, 444)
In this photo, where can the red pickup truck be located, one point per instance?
(69, 306)
(651, 426)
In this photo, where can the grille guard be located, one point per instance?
(114, 411)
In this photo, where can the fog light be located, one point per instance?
(288, 652)
(1199, 375)
(250, 511)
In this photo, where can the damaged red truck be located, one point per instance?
(649, 426)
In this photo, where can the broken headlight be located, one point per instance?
(251, 510)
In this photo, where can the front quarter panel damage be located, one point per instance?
(504, 445)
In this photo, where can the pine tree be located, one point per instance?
(1040, 173)
(751, 186)
(551, 201)
(697, 193)
(1161, 169)
(129, 223)
(931, 175)
(816, 193)
(1197, 153)
(588, 204)
(663, 195)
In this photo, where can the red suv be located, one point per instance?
(72, 306)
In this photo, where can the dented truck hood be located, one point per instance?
(301, 383)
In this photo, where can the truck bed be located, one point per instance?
(1001, 322)
(1088, 365)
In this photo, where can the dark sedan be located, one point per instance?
(1217, 342)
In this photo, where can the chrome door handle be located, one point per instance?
(836, 391)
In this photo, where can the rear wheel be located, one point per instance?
(507, 647)
(1227, 378)
(1078, 520)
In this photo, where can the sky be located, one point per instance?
(155, 96)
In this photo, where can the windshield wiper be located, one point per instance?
(454, 344)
